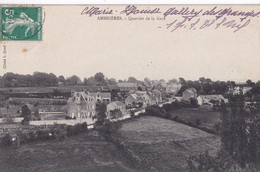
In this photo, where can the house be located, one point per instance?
(158, 95)
(240, 90)
(246, 89)
(131, 100)
(81, 105)
(113, 88)
(113, 106)
(101, 97)
(188, 94)
(147, 98)
(214, 100)
(141, 97)
(237, 90)
(172, 88)
(126, 87)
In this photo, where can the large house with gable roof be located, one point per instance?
(83, 104)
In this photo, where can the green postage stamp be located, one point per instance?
(21, 23)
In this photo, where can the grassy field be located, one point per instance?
(164, 145)
(84, 152)
(207, 119)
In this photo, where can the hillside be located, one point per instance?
(164, 145)
(83, 152)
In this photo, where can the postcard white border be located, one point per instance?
(130, 2)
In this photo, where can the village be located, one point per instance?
(119, 111)
(72, 104)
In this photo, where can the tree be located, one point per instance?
(60, 133)
(116, 113)
(182, 89)
(132, 113)
(202, 80)
(61, 79)
(237, 136)
(172, 81)
(111, 81)
(240, 134)
(193, 102)
(44, 79)
(26, 113)
(109, 129)
(132, 80)
(197, 86)
(147, 82)
(154, 110)
(6, 140)
(101, 109)
(182, 81)
(90, 81)
(100, 78)
(207, 88)
(73, 80)
(250, 83)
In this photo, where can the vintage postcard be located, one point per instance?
(129, 88)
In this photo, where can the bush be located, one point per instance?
(59, 133)
(193, 102)
(43, 134)
(80, 128)
(175, 118)
(70, 130)
(68, 117)
(222, 162)
(154, 110)
(24, 122)
(132, 113)
(108, 129)
(198, 122)
(6, 140)
(31, 136)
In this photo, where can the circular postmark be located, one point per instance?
(22, 23)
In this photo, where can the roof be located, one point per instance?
(118, 103)
(211, 97)
(85, 95)
(113, 87)
(191, 90)
(135, 96)
(141, 93)
(126, 84)
(103, 94)
(132, 91)
(114, 105)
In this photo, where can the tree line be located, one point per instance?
(41, 79)
(202, 85)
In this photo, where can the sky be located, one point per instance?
(75, 44)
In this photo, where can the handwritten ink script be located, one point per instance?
(181, 17)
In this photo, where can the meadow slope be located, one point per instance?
(164, 145)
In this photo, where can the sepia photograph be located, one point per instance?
(134, 88)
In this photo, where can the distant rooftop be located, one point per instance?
(127, 84)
